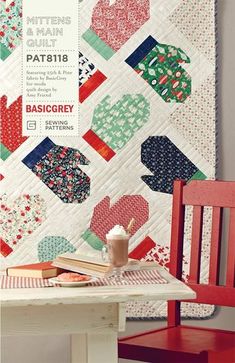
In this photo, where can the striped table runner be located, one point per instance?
(14, 282)
(143, 277)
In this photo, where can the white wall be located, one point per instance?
(56, 349)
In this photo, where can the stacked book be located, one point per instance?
(44, 270)
(88, 265)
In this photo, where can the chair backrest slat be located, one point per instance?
(216, 230)
(216, 295)
(200, 194)
(176, 248)
(196, 242)
(210, 193)
(230, 276)
(177, 231)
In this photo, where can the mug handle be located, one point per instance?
(104, 253)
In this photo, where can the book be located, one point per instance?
(89, 265)
(93, 265)
(40, 270)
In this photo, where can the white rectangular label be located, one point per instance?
(50, 68)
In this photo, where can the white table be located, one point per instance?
(92, 316)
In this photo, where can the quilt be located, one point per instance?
(146, 82)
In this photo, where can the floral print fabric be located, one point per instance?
(10, 126)
(11, 27)
(20, 218)
(58, 167)
(52, 246)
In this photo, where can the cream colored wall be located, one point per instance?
(226, 89)
(56, 349)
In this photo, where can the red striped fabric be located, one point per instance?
(143, 277)
(140, 277)
(14, 282)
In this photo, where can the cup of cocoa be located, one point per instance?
(117, 243)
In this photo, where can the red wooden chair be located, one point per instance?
(177, 343)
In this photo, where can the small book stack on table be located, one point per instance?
(43, 270)
(88, 265)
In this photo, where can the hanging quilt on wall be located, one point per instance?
(147, 116)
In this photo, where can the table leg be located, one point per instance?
(94, 348)
(78, 349)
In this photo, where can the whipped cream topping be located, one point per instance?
(117, 231)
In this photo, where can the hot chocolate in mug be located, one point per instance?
(116, 250)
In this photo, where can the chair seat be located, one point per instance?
(189, 343)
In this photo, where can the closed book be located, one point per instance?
(40, 270)
(83, 264)
(90, 265)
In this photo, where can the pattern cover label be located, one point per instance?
(49, 74)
